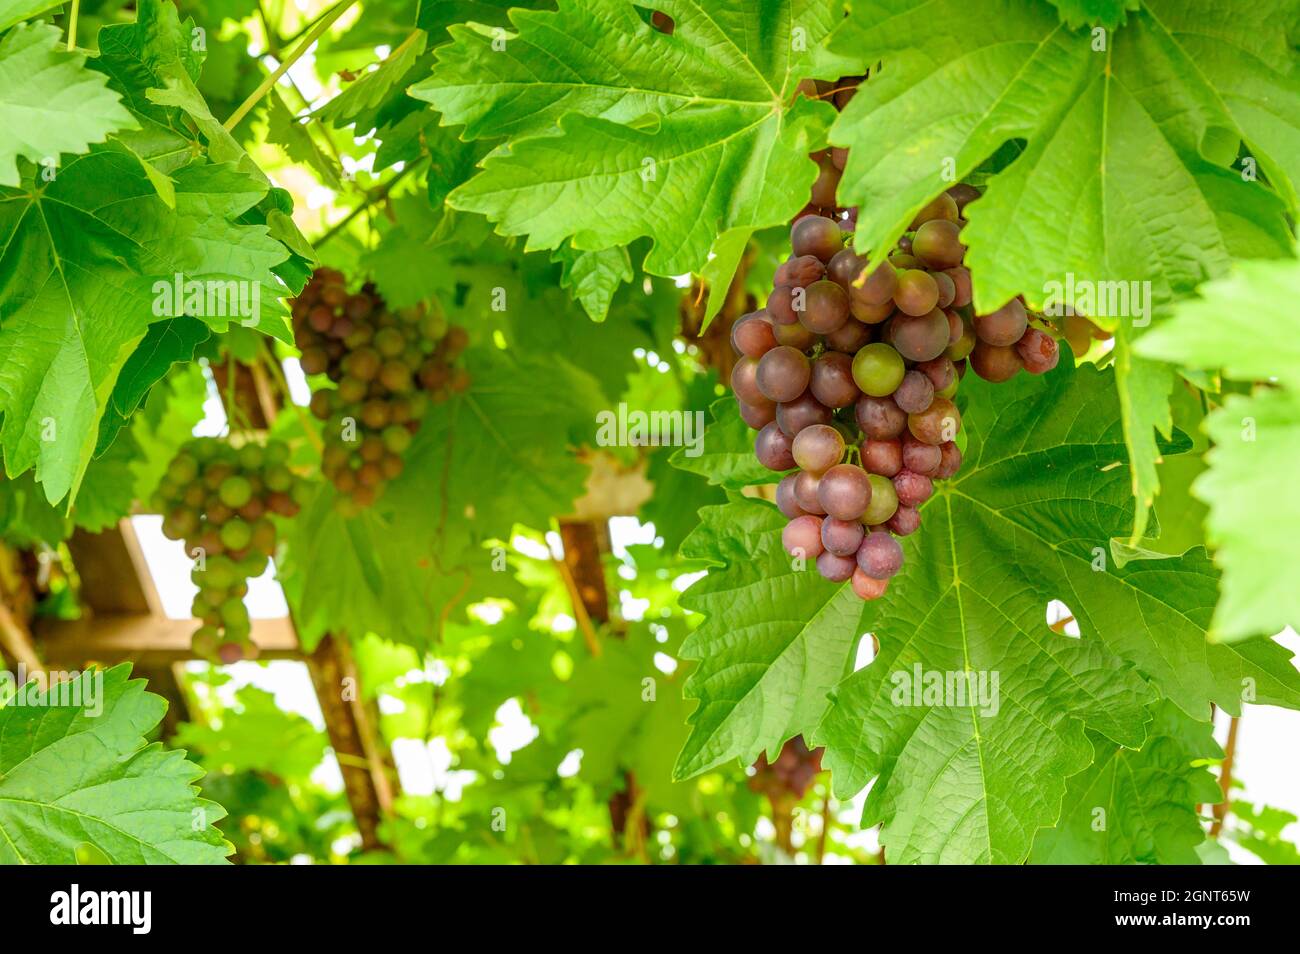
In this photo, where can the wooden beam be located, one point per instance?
(352, 734)
(115, 578)
(149, 640)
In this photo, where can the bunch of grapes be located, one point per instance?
(219, 500)
(849, 373)
(791, 774)
(388, 365)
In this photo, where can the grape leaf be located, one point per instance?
(1107, 13)
(1243, 325)
(593, 277)
(284, 130)
(14, 11)
(1083, 114)
(165, 344)
(773, 643)
(1043, 488)
(255, 735)
(1250, 524)
(498, 455)
(78, 267)
(1137, 806)
(676, 137)
(361, 101)
(49, 102)
(77, 774)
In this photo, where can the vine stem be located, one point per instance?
(375, 195)
(308, 41)
(1225, 777)
(72, 25)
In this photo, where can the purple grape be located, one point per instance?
(825, 307)
(773, 449)
(920, 337)
(805, 492)
(844, 491)
(850, 338)
(758, 416)
(1038, 350)
(905, 521)
(920, 457)
(950, 461)
(780, 305)
(1002, 328)
(782, 374)
(868, 588)
(804, 411)
(883, 457)
(841, 537)
(837, 569)
(785, 499)
(879, 556)
(802, 536)
(914, 393)
(831, 381)
(818, 448)
(879, 417)
(752, 335)
(799, 271)
(913, 489)
(816, 235)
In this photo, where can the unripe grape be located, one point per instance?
(878, 369)
(884, 501)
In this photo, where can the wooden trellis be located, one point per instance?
(123, 621)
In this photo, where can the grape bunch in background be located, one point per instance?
(388, 366)
(792, 772)
(219, 499)
(849, 373)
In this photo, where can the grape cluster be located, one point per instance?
(219, 500)
(791, 774)
(388, 365)
(848, 374)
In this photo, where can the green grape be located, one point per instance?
(235, 491)
(878, 369)
(236, 534)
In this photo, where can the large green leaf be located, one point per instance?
(78, 265)
(676, 137)
(1138, 806)
(1244, 325)
(75, 770)
(1123, 176)
(774, 642)
(49, 102)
